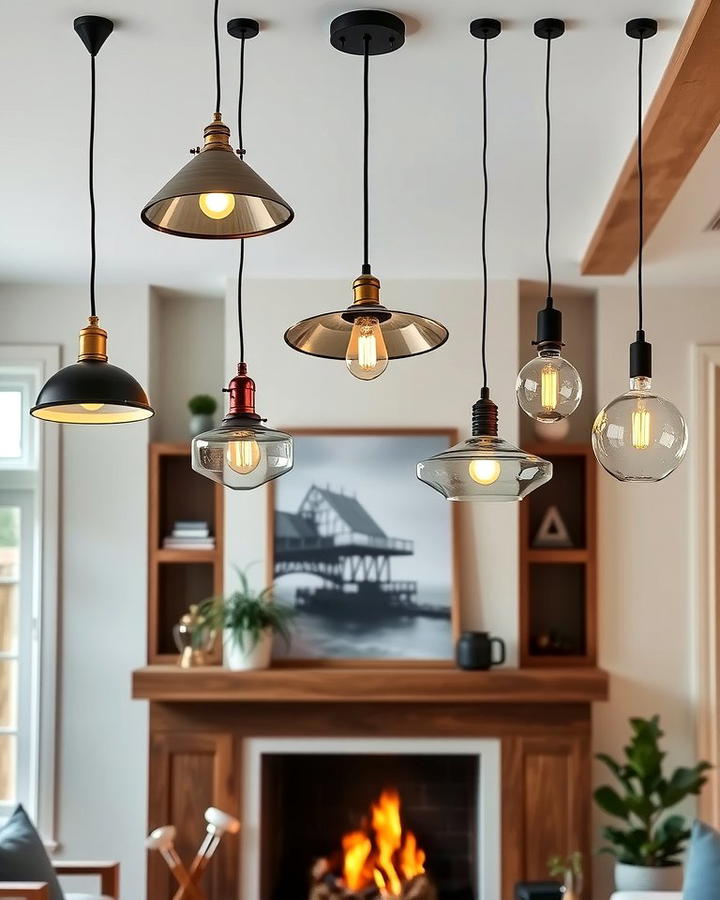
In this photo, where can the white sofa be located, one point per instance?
(647, 895)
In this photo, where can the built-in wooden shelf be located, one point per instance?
(176, 577)
(558, 616)
(381, 684)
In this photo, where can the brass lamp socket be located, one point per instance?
(366, 290)
(217, 135)
(93, 342)
(242, 395)
(366, 300)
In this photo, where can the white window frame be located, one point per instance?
(41, 472)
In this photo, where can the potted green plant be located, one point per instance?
(249, 620)
(648, 846)
(570, 870)
(202, 409)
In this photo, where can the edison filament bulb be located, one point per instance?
(367, 355)
(548, 387)
(217, 205)
(243, 456)
(640, 436)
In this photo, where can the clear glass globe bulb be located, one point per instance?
(548, 387)
(640, 436)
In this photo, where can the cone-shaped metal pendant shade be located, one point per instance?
(92, 392)
(252, 206)
(328, 335)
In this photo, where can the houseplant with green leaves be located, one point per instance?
(202, 413)
(249, 621)
(648, 845)
(570, 870)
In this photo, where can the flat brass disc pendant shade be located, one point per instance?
(251, 207)
(92, 392)
(405, 334)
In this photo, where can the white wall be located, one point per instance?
(186, 340)
(435, 390)
(646, 605)
(102, 734)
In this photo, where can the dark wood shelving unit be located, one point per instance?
(177, 578)
(558, 603)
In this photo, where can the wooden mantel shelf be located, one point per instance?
(378, 684)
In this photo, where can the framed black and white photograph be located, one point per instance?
(363, 552)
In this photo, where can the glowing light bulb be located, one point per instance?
(484, 471)
(217, 206)
(640, 426)
(549, 387)
(243, 456)
(92, 407)
(367, 355)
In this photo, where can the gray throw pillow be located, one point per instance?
(702, 870)
(23, 856)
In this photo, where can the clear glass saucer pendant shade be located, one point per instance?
(640, 436)
(242, 453)
(548, 387)
(484, 467)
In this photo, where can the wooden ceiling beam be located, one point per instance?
(683, 116)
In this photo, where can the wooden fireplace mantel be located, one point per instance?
(380, 684)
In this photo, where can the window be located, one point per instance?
(29, 461)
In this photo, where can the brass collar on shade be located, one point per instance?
(405, 334)
(91, 391)
(93, 342)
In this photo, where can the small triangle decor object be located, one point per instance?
(552, 531)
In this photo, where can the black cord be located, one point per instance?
(241, 266)
(547, 173)
(239, 300)
(484, 211)
(217, 57)
(366, 137)
(240, 97)
(641, 188)
(91, 184)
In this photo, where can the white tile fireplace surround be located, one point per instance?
(485, 751)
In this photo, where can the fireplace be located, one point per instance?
(312, 806)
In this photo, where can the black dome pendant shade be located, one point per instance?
(217, 195)
(92, 392)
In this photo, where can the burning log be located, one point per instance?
(331, 888)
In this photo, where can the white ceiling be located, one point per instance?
(303, 128)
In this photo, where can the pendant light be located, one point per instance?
(640, 436)
(366, 334)
(548, 387)
(217, 195)
(484, 467)
(242, 453)
(92, 392)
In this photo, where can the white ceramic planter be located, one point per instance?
(645, 878)
(243, 659)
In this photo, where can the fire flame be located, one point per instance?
(385, 857)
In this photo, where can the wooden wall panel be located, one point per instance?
(556, 796)
(188, 773)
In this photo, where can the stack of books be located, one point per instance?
(188, 535)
